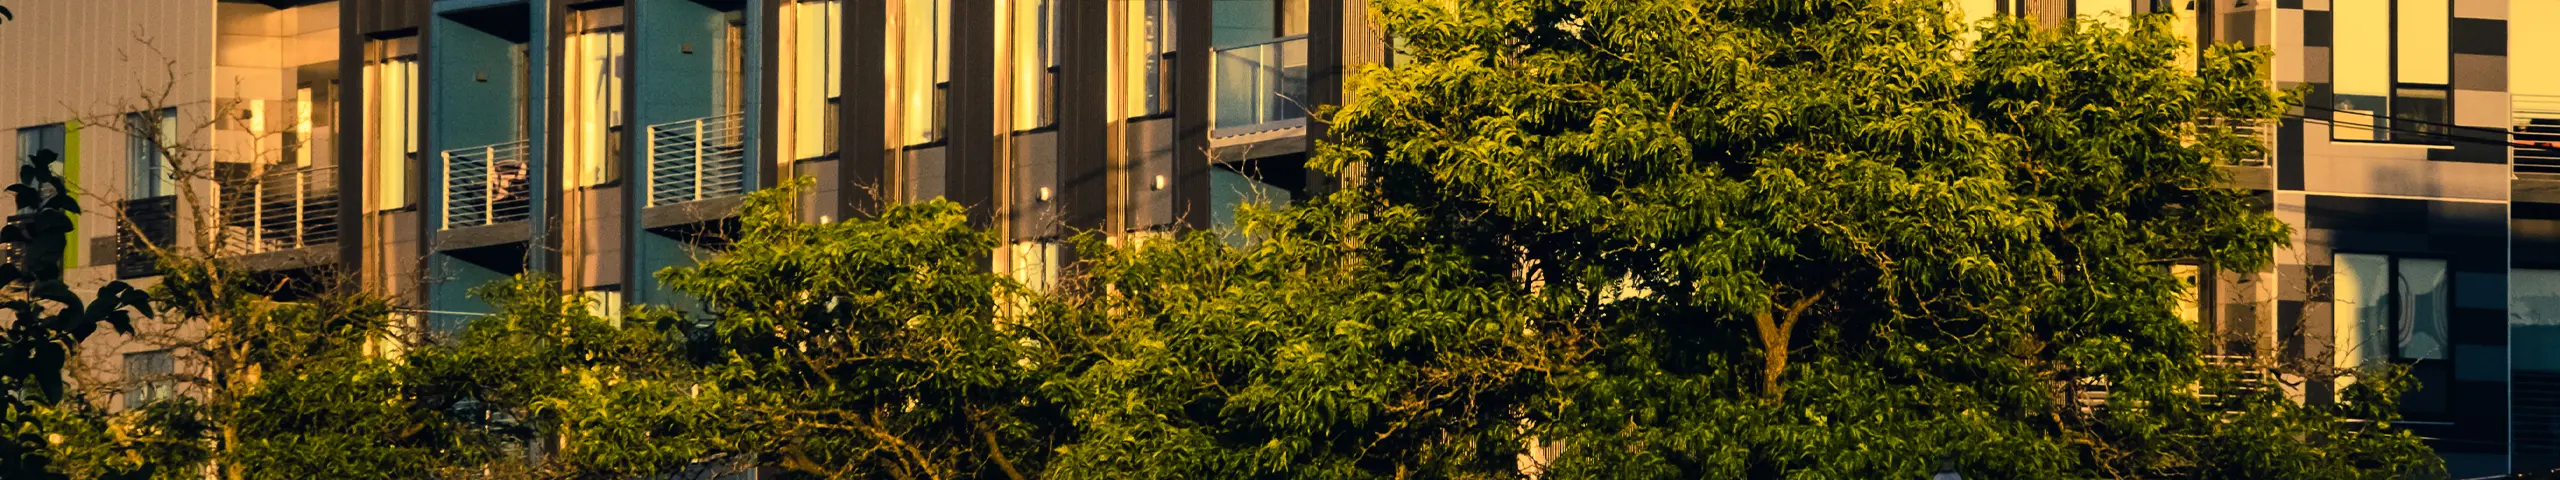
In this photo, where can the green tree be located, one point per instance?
(306, 388)
(543, 388)
(1847, 239)
(1337, 343)
(872, 348)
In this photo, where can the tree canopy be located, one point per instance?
(1577, 239)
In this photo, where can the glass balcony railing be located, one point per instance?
(2537, 131)
(1260, 83)
(280, 210)
(486, 184)
(697, 159)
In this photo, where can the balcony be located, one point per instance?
(486, 185)
(696, 159)
(1260, 87)
(279, 211)
(2537, 133)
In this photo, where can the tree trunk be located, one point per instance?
(1777, 337)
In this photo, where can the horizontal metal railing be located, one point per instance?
(1260, 83)
(2248, 378)
(697, 159)
(486, 184)
(2537, 132)
(2263, 131)
(279, 210)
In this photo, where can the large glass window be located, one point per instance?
(1035, 63)
(2533, 68)
(816, 73)
(1233, 186)
(2391, 87)
(1150, 56)
(920, 48)
(595, 76)
(1249, 21)
(35, 139)
(148, 138)
(2389, 309)
(2533, 306)
(605, 303)
(150, 377)
(391, 99)
(730, 63)
(312, 139)
(1260, 69)
(2117, 10)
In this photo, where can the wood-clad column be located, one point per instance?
(1084, 120)
(1191, 114)
(969, 111)
(862, 143)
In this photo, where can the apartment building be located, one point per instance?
(2422, 184)
(424, 147)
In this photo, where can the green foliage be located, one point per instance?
(609, 400)
(47, 321)
(872, 348)
(296, 390)
(1340, 345)
(1838, 240)
(1622, 239)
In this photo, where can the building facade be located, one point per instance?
(2420, 178)
(423, 147)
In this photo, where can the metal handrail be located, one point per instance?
(697, 159)
(1260, 82)
(279, 210)
(486, 185)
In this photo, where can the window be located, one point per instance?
(924, 67)
(2388, 309)
(2394, 87)
(2099, 10)
(1236, 22)
(311, 142)
(1150, 57)
(816, 73)
(149, 136)
(150, 376)
(2534, 73)
(1035, 264)
(1035, 63)
(1234, 186)
(2197, 303)
(604, 303)
(1976, 10)
(730, 61)
(595, 127)
(2533, 304)
(391, 95)
(36, 139)
(2192, 300)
